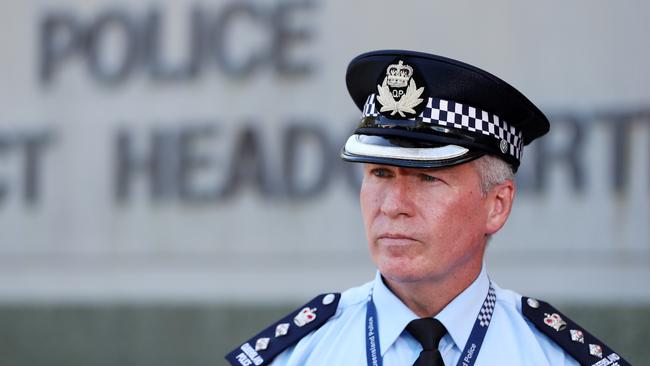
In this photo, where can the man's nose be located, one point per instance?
(397, 198)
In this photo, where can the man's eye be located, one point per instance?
(428, 178)
(381, 173)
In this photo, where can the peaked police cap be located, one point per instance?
(425, 111)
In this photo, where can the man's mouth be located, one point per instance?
(395, 239)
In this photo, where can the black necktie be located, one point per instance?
(428, 332)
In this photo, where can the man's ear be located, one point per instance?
(499, 202)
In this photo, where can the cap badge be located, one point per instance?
(306, 315)
(392, 95)
(554, 321)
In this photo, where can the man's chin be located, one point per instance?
(401, 273)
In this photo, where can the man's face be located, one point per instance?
(424, 224)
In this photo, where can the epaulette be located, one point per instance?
(266, 345)
(580, 344)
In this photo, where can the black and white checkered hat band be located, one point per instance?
(461, 116)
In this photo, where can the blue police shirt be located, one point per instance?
(511, 339)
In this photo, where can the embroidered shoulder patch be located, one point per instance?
(266, 345)
(575, 340)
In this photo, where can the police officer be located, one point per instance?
(440, 141)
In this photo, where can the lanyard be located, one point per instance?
(373, 356)
(472, 347)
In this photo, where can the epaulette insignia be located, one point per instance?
(580, 344)
(266, 345)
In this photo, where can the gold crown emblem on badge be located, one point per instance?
(398, 75)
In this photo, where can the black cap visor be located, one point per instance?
(411, 143)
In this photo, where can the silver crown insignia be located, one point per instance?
(398, 75)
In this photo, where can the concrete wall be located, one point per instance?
(161, 161)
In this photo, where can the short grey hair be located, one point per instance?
(492, 171)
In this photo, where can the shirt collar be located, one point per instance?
(392, 315)
(458, 316)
